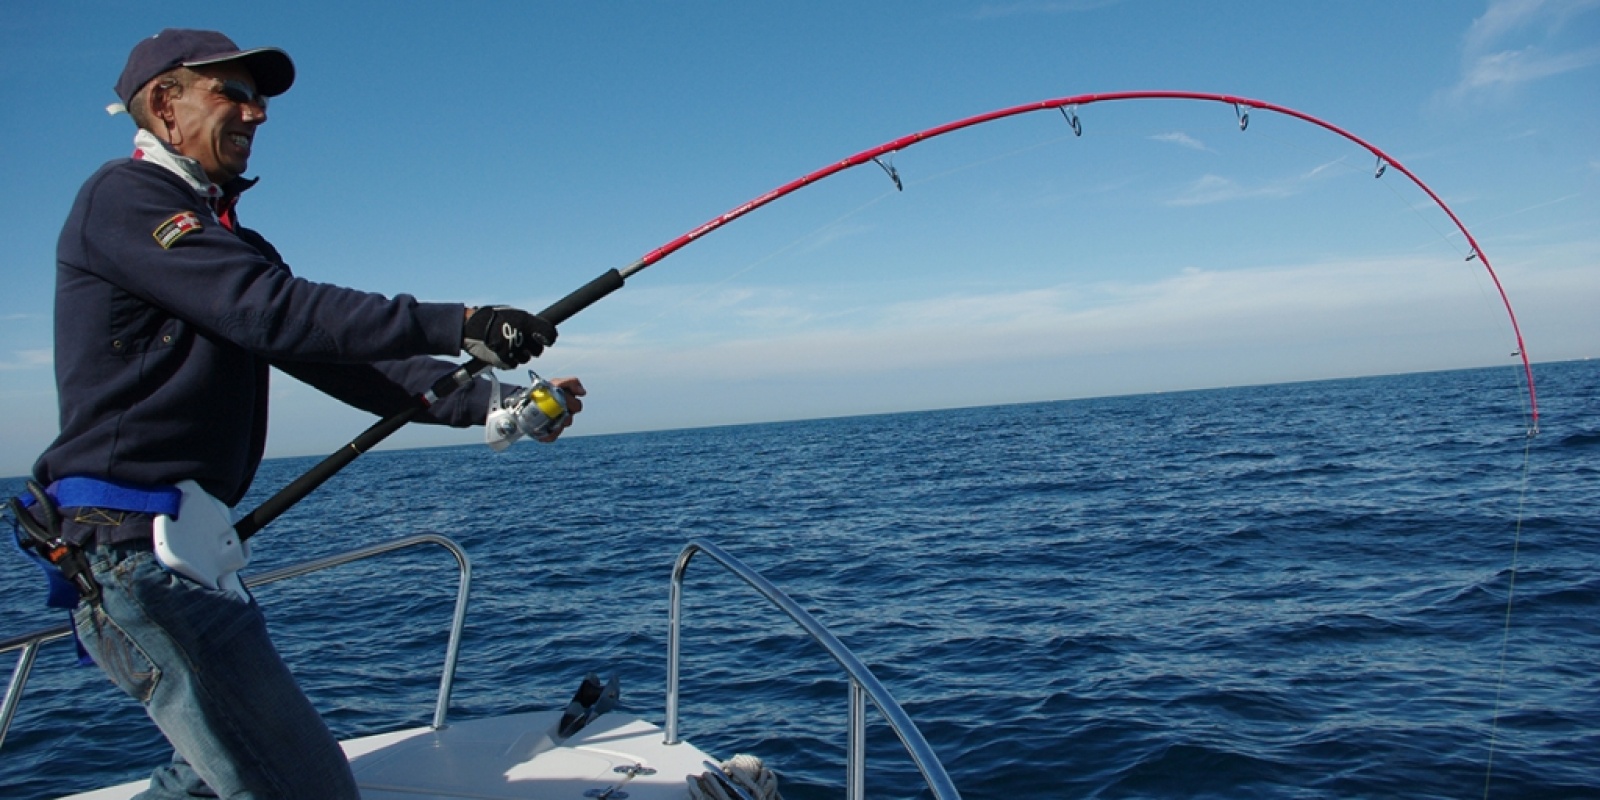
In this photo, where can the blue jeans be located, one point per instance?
(201, 663)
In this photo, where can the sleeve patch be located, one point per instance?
(175, 228)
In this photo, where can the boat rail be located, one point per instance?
(863, 683)
(29, 643)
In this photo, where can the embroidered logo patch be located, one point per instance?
(180, 225)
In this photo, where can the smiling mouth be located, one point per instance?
(240, 140)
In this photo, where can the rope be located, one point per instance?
(742, 777)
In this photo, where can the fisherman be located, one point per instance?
(168, 315)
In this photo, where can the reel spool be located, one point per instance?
(533, 412)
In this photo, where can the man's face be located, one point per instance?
(213, 128)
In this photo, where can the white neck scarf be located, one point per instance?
(147, 147)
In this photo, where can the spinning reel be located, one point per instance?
(535, 411)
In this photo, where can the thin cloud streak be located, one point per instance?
(1508, 69)
(27, 359)
(1211, 189)
(1038, 8)
(1192, 329)
(1504, 18)
(1194, 308)
(1497, 62)
(1183, 140)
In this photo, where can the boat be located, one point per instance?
(582, 750)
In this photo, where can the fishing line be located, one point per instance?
(1377, 172)
(1505, 635)
(987, 161)
(1448, 237)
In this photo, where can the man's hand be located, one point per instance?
(571, 389)
(505, 337)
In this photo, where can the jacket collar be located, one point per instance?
(148, 147)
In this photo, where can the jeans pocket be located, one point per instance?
(117, 654)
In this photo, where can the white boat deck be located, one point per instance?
(511, 758)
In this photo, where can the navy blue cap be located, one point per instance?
(183, 47)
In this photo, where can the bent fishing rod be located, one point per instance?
(614, 279)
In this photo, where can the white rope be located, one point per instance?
(746, 771)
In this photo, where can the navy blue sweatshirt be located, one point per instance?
(166, 323)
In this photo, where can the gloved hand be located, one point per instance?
(504, 336)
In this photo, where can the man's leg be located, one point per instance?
(176, 779)
(203, 666)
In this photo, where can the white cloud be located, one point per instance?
(1517, 42)
(1209, 189)
(1181, 139)
(1190, 329)
(1191, 309)
(27, 359)
(1038, 7)
(1510, 68)
(1320, 169)
(1506, 18)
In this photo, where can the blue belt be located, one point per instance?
(84, 492)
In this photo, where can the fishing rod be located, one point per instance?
(614, 279)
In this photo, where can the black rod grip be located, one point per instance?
(586, 295)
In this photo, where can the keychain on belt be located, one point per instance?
(45, 540)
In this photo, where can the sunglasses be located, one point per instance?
(238, 91)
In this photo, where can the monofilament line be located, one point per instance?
(1505, 634)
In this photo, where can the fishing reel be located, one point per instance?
(535, 411)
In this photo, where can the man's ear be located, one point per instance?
(158, 99)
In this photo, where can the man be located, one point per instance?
(168, 316)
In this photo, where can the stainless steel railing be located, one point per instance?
(862, 682)
(29, 643)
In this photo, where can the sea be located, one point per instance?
(1372, 587)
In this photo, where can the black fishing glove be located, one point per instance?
(504, 336)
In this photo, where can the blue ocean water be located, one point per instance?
(1286, 591)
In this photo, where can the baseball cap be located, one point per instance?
(183, 47)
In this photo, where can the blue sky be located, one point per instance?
(509, 152)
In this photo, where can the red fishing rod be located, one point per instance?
(612, 280)
(1068, 105)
